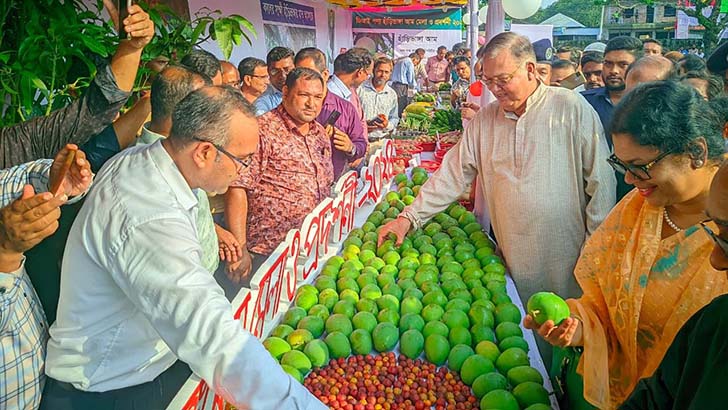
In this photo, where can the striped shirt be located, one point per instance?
(23, 327)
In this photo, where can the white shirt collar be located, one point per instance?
(172, 175)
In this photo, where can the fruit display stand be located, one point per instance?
(327, 296)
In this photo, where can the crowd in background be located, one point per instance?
(123, 237)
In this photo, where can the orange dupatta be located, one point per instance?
(639, 290)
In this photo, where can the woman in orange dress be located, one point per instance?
(647, 269)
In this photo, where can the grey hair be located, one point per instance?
(519, 46)
(205, 114)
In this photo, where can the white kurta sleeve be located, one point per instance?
(181, 300)
(457, 171)
(599, 181)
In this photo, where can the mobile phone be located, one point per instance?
(573, 81)
(332, 118)
(123, 7)
(64, 171)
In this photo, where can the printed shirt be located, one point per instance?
(374, 103)
(23, 325)
(438, 71)
(290, 174)
(462, 86)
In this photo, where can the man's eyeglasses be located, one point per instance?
(279, 71)
(259, 76)
(500, 80)
(640, 172)
(242, 162)
(717, 239)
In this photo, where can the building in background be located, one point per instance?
(637, 19)
(568, 29)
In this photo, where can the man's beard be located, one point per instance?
(378, 82)
(620, 87)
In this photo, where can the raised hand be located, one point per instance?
(139, 27)
(29, 219)
(76, 180)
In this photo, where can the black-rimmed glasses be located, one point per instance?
(717, 239)
(640, 172)
(242, 162)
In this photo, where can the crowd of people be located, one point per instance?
(124, 237)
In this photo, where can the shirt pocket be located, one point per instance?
(289, 181)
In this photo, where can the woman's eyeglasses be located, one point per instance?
(640, 172)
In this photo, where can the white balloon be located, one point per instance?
(483, 14)
(466, 19)
(521, 9)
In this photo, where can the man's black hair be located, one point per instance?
(203, 62)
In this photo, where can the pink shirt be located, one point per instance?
(438, 71)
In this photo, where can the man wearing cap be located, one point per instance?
(718, 63)
(544, 55)
(619, 53)
(596, 46)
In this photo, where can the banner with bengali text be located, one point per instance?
(286, 12)
(399, 34)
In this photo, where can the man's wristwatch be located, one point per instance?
(353, 151)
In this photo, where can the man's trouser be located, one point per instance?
(153, 395)
(402, 98)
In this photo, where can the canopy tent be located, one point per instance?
(398, 3)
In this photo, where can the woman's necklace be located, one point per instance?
(669, 221)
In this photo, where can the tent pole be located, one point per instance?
(473, 35)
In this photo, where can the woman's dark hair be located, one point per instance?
(669, 116)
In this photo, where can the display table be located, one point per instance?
(298, 261)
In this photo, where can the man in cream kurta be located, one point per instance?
(545, 180)
(543, 173)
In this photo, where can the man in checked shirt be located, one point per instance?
(28, 215)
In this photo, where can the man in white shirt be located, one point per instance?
(137, 305)
(379, 100)
(540, 158)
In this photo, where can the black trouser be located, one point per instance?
(153, 395)
(402, 97)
